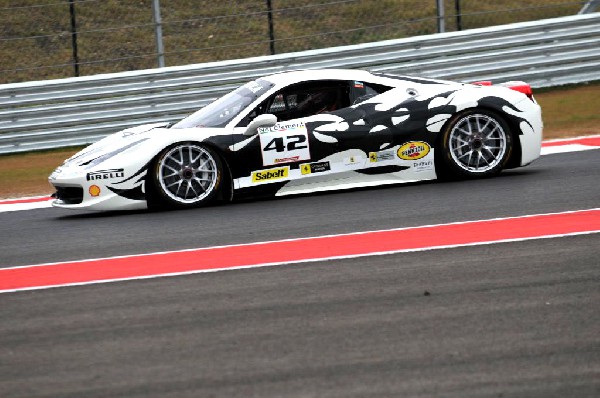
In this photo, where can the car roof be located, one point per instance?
(318, 74)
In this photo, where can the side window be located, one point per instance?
(304, 99)
(363, 91)
(315, 101)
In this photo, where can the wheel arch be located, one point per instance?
(514, 159)
(513, 131)
(225, 193)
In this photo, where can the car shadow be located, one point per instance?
(86, 215)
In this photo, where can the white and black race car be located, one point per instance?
(308, 131)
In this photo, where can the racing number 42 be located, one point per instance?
(279, 144)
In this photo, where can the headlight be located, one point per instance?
(108, 155)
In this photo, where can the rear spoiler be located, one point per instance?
(521, 87)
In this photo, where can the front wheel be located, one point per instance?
(475, 143)
(184, 175)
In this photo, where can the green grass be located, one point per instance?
(35, 42)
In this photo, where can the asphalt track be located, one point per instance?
(510, 319)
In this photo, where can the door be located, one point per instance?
(289, 150)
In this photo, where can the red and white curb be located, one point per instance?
(571, 145)
(35, 202)
(548, 148)
(302, 250)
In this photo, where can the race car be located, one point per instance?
(307, 131)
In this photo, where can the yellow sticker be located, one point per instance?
(94, 190)
(414, 150)
(271, 174)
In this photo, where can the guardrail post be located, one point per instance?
(158, 33)
(441, 22)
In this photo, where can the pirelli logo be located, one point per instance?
(105, 174)
(271, 174)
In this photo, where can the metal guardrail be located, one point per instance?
(76, 111)
(590, 7)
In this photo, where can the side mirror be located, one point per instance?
(265, 120)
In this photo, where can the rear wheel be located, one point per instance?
(184, 175)
(476, 143)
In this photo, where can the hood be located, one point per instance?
(129, 138)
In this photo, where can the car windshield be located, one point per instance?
(224, 109)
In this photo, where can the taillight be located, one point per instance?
(521, 87)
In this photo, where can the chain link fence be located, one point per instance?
(46, 39)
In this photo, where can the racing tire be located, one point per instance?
(473, 144)
(184, 175)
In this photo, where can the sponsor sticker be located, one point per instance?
(283, 127)
(94, 190)
(287, 160)
(318, 167)
(381, 156)
(414, 150)
(105, 174)
(423, 165)
(284, 143)
(271, 174)
(352, 160)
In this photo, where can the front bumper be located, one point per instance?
(75, 191)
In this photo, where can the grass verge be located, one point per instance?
(567, 112)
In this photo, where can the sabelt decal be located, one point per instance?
(284, 143)
(272, 174)
(318, 167)
(381, 156)
(414, 150)
(105, 174)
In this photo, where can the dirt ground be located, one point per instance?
(567, 112)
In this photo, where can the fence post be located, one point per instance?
(158, 33)
(458, 15)
(74, 37)
(271, 31)
(441, 23)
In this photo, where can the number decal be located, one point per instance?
(276, 144)
(294, 142)
(284, 143)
